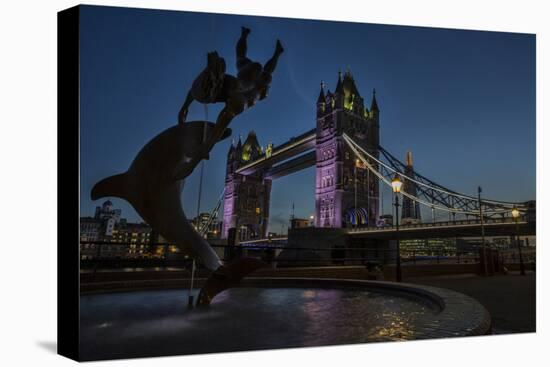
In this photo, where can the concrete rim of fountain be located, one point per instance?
(458, 315)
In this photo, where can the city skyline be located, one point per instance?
(441, 93)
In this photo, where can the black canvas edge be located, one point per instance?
(68, 182)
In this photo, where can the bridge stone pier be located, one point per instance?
(346, 194)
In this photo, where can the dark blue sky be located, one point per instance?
(462, 101)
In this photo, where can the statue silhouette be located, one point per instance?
(154, 181)
(238, 93)
(213, 85)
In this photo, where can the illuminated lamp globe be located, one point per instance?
(396, 184)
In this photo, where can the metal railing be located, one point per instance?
(451, 223)
(97, 255)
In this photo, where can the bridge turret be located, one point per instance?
(411, 209)
(374, 123)
(329, 105)
(351, 98)
(251, 148)
(321, 101)
(337, 96)
(231, 158)
(374, 105)
(346, 95)
(231, 148)
(239, 146)
(339, 83)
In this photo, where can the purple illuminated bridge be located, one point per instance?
(350, 165)
(345, 193)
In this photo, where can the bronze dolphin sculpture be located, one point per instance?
(152, 188)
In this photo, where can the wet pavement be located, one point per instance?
(510, 299)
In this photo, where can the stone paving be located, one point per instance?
(510, 299)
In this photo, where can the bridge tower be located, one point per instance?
(411, 209)
(341, 180)
(246, 198)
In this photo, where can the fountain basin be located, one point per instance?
(271, 313)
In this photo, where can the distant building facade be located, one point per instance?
(212, 227)
(107, 226)
(108, 216)
(299, 223)
(90, 229)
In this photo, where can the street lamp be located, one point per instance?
(396, 185)
(482, 222)
(515, 215)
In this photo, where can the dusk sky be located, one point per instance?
(462, 101)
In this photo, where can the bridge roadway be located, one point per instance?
(269, 242)
(459, 228)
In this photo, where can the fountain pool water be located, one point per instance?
(156, 323)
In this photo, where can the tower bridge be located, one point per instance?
(345, 194)
(351, 166)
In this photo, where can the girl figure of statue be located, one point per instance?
(250, 85)
(238, 93)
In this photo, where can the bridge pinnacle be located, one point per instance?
(339, 84)
(321, 98)
(231, 146)
(374, 104)
(239, 144)
(409, 158)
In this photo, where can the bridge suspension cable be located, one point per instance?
(213, 215)
(429, 193)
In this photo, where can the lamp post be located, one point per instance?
(515, 215)
(190, 303)
(368, 199)
(483, 248)
(396, 184)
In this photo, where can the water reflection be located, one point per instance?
(159, 323)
